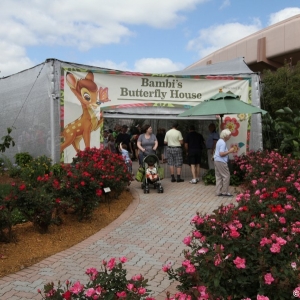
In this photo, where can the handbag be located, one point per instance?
(140, 174)
(161, 172)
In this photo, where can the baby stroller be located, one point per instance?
(151, 161)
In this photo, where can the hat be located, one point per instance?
(124, 126)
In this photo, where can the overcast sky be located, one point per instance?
(135, 35)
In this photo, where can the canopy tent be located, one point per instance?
(32, 100)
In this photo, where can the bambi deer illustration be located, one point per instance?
(86, 91)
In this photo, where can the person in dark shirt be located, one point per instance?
(161, 143)
(135, 132)
(193, 143)
(124, 138)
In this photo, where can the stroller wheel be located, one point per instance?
(161, 189)
(142, 186)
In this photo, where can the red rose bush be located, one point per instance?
(78, 186)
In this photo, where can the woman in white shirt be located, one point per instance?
(221, 164)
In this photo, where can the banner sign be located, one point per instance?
(84, 93)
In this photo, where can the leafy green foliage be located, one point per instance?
(13, 169)
(209, 177)
(23, 158)
(7, 141)
(288, 126)
(271, 137)
(34, 168)
(36, 204)
(281, 89)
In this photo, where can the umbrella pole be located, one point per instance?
(221, 116)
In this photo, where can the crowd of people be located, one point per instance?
(138, 142)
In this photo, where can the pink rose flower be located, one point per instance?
(111, 264)
(202, 250)
(89, 292)
(265, 241)
(282, 220)
(138, 277)
(166, 267)
(197, 234)
(296, 292)
(257, 192)
(260, 297)
(268, 278)
(275, 248)
(130, 286)
(240, 262)
(123, 259)
(141, 291)
(234, 234)
(280, 241)
(187, 240)
(218, 260)
(76, 288)
(121, 294)
(190, 269)
(92, 272)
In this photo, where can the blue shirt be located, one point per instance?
(125, 155)
(221, 147)
(213, 136)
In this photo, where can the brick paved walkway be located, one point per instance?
(149, 233)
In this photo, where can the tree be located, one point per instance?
(281, 89)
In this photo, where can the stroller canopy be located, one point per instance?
(151, 159)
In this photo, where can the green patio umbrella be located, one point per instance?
(222, 104)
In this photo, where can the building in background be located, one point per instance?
(269, 48)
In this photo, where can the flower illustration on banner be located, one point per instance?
(236, 148)
(232, 124)
(242, 117)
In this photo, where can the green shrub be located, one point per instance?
(36, 204)
(4, 189)
(56, 169)
(46, 191)
(209, 177)
(13, 170)
(17, 217)
(23, 158)
(36, 167)
(6, 208)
